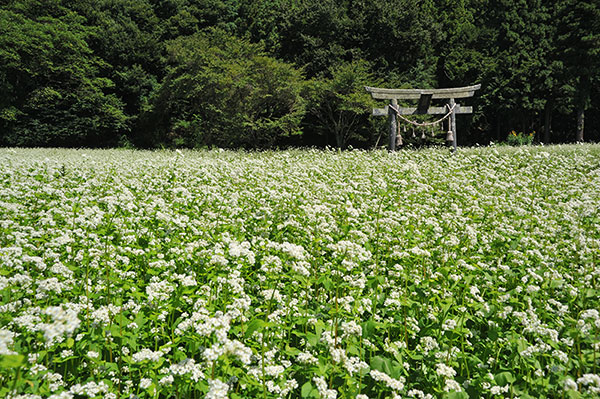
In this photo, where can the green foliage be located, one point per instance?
(53, 93)
(224, 91)
(313, 34)
(520, 138)
(399, 38)
(88, 72)
(188, 17)
(579, 41)
(341, 105)
(516, 69)
(125, 35)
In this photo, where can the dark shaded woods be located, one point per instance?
(277, 73)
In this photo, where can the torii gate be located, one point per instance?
(423, 108)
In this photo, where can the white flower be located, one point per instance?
(62, 395)
(167, 380)
(444, 370)
(307, 358)
(145, 383)
(93, 354)
(188, 366)
(395, 384)
(236, 348)
(591, 382)
(91, 389)
(449, 324)
(217, 389)
(354, 365)
(428, 344)
(351, 328)
(146, 354)
(323, 389)
(293, 250)
(66, 353)
(6, 340)
(64, 323)
(452, 385)
(497, 390)
(569, 384)
(159, 291)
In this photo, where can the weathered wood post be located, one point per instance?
(453, 123)
(393, 124)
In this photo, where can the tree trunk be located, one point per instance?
(548, 120)
(498, 138)
(580, 121)
(582, 101)
(339, 139)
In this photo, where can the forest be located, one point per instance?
(259, 74)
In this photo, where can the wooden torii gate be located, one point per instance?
(425, 96)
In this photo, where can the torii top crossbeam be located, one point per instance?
(415, 94)
(424, 96)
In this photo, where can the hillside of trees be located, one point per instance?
(276, 73)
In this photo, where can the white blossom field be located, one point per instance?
(300, 274)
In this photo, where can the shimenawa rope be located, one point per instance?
(397, 110)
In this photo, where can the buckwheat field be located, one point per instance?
(300, 274)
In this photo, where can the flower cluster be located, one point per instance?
(313, 274)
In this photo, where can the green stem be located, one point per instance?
(262, 364)
(17, 378)
(580, 357)
(335, 319)
(87, 296)
(121, 342)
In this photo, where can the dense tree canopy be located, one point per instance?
(261, 73)
(221, 90)
(53, 91)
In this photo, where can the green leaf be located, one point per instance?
(140, 319)
(70, 342)
(11, 361)
(115, 331)
(319, 327)
(306, 389)
(291, 351)
(352, 350)
(111, 366)
(254, 325)
(383, 364)
(456, 395)
(504, 378)
(312, 339)
(369, 328)
(158, 364)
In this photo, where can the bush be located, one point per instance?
(520, 138)
(224, 91)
